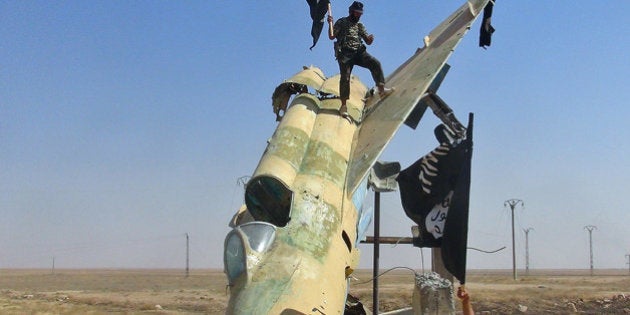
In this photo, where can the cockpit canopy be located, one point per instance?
(244, 246)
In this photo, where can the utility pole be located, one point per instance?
(512, 203)
(590, 229)
(377, 245)
(628, 263)
(527, 249)
(52, 271)
(187, 255)
(381, 179)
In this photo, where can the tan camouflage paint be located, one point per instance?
(304, 271)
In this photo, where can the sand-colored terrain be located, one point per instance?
(204, 291)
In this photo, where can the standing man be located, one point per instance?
(350, 51)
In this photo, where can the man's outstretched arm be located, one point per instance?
(462, 294)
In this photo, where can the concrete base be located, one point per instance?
(433, 295)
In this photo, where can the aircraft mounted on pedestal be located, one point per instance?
(294, 242)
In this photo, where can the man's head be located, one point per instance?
(355, 11)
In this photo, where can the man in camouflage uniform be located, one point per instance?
(350, 51)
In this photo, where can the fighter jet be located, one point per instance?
(294, 243)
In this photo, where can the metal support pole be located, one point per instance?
(187, 256)
(513, 249)
(512, 203)
(590, 229)
(377, 232)
(382, 179)
(527, 230)
(628, 256)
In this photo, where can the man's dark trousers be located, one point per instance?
(360, 58)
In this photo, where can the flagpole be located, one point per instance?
(330, 25)
(377, 235)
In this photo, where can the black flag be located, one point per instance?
(435, 192)
(455, 238)
(318, 12)
(486, 31)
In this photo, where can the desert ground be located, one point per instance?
(204, 291)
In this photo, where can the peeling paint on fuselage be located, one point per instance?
(303, 271)
(322, 161)
(289, 145)
(304, 268)
(312, 224)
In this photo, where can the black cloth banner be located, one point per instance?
(455, 238)
(435, 194)
(318, 12)
(485, 34)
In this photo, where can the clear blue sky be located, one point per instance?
(125, 125)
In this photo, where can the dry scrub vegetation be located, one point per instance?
(541, 292)
(204, 292)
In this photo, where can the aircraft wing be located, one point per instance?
(411, 81)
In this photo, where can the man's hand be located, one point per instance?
(330, 18)
(369, 39)
(462, 294)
